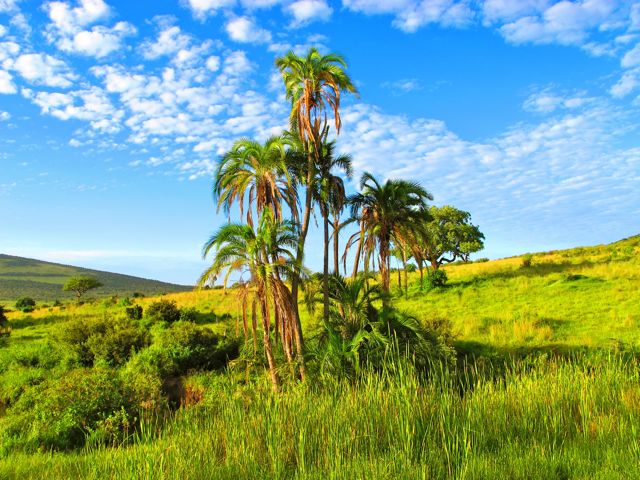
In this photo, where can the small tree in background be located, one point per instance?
(26, 304)
(81, 285)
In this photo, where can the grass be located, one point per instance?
(547, 386)
(556, 421)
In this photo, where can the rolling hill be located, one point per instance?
(26, 277)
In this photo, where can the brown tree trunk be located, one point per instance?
(325, 275)
(254, 325)
(336, 241)
(266, 339)
(356, 262)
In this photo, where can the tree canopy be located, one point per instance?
(81, 285)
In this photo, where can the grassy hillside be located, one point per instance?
(43, 281)
(510, 408)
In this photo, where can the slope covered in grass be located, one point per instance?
(43, 281)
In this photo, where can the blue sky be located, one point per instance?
(113, 115)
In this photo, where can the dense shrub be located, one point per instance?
(64, 413)
(26, 304)
(188, 315)
(106, 340)
(163, 311)
(5, 329)
(184, 347)
(481, 260)
(411, 267)
(134, 313)
(527, 260)
(436, 278)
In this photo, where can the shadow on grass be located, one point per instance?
(29, 321)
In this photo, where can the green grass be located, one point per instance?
(551, 389)
(43, 281)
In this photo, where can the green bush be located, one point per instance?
(436, 278)
(134, 313)
(411, 267)
(188, 315)
(481, 260)
(5, 329)
(26, 304)
(527, 260)
(163, 311)
(110, 341)
(63, 413)
(184, 347)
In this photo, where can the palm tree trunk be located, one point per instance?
(254, 325)
(325, 276)
(384, 271)
(336, 241)
(404, 267)
(266, 339)
(358, 251)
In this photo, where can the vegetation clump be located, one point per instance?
(163, 311)
(26, 304)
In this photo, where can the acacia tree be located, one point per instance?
(448, 235)
(81, 285)
(314, 84)
(384, 212)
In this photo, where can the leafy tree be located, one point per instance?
(81, 285)
(385, 213)
(26, 304)
(314, 84)
(448, 236)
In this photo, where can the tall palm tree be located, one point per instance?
(313, 84)
(248, 251)
(259, 172)
(329, 193)
(385, 212)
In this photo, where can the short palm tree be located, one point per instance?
(243, 250)
(384, 212)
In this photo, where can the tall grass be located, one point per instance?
(551, 420)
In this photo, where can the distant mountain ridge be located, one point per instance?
(28, 277)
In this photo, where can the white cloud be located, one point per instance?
(405, 85)
(170, 40)
(632, 57)
(559, 168)
(4, 116)
(68, 28)
(306, 11)
(629, 81)
(3, 30)
(565, 22)
(68, 20)
(6, 83)
(42, 69)
(7, 6)
(546, 101)
(213, 63)
(203, 8)
(413, 14)
(245, 30)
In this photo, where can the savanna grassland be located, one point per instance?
(540, 379)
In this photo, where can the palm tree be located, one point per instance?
(258, 171)
(329, 193)
(385, 212)
(245, 251)
(314, 84)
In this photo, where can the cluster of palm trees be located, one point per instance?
(278, 185)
